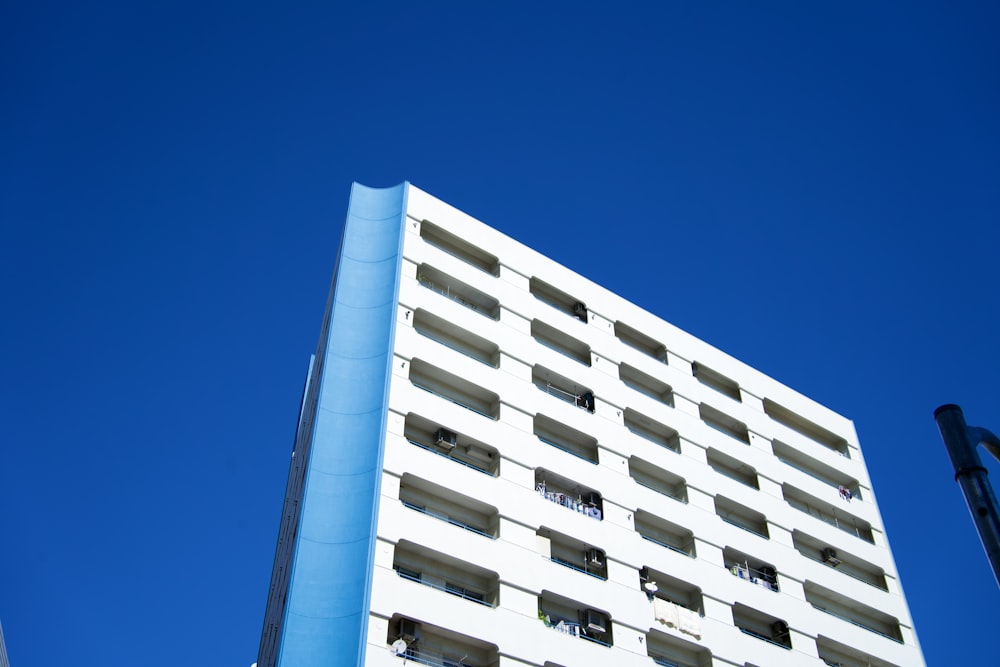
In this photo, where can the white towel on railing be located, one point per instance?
(665, 612)
(690, 622)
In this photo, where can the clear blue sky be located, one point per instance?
(813, 189)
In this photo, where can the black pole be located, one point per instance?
(961, 441)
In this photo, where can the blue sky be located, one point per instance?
(811, 188)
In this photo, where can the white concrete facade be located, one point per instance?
(593, 458)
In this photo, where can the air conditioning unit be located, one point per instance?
(580, 311)
(594, 557)
(830, 556)
(779, 630)
(446, 438)
(409, 630)
(594, 621)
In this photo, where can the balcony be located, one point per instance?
(670, 651)
(852, 611)
(762, 626)
(565, 438)
(573, 553)
(640, 341)
(828, 513)
(460, 248)
(717, 381)
(558, 340)
(660, 585)
(847, 485)
(801, 425)
(569, 494)
(455, 389)
(733, 468)
(664, 533)
(750, 569)
(465, 342)
(652, 430)
(456, 447)
(558, 299)
(459, 292)
(723, 423)
(839, 560)
(646, 384)
(562, 388)
(446, 505)
(442, 572)
(575, 619)
(742, 517)
(657, 479)
(425, 644)
(835, 654)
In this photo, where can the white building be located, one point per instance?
(501, 463)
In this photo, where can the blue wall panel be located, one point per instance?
(326, 615)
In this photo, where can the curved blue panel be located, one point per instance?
(326, 616)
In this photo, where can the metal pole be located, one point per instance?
(961, 441)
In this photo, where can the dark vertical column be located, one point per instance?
(961, 442)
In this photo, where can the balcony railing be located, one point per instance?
(769, 640)
(452, 400)
(665, 662)
(850, 528)
(566, 449)
(446, 291)
(733, 522)
(841, 570)
(574, 566)
(450, 458)
(446, 518)
(432, 660)
(579, 400)
(478, 598)
(857, 623)
(574, 629)
(661, 491)
(668, 546)
(855, 492)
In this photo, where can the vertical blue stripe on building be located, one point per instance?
(326, 613)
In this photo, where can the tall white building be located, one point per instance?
(502, 464)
